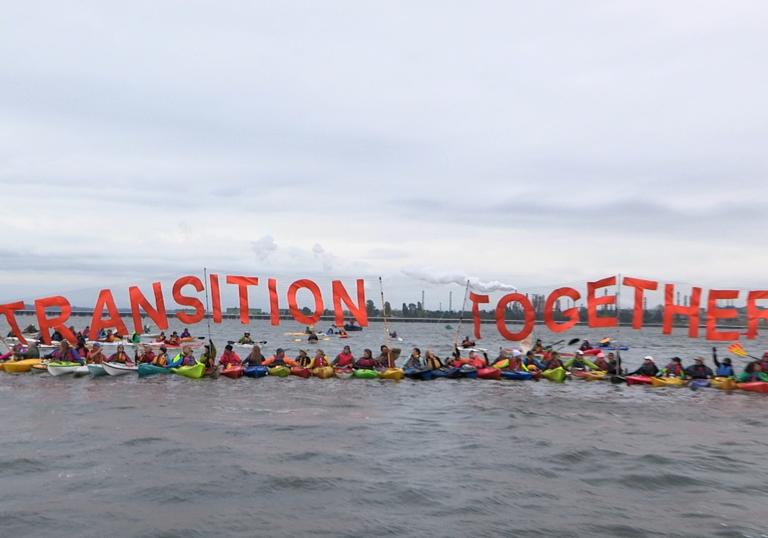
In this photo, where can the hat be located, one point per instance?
(516, 353)
(648, 358)
(601, 355)
(699, 359)
(580, 353)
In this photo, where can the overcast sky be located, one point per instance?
(533, 143)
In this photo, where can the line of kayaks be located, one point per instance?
(198, 370)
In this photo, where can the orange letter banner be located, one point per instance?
(755, 313)
(294, 308)
(215, 297)
(274, 306)
(114, 321)
(183, 300)
(714, 313)
(476, 301)
(358, 310)
(593, 320)
(156, 314)
(572, 313)
(640, 286)
(56, 322)
(8, 311)
(671, 309)
(530, 316)
(242, 283)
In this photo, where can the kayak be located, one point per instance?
(81, 371)
(723, 383)
(468, 372)
(195, 371)
(614, 348)
(256, 371)
(96, 370)
(419, 374)
(146, 370)
(579, 374)
(447, 373)
(61, 368)
(344, 373)
(323, 372)
(19, 367)
(39, 368)
(755, 386)
(556, 375)
(668, 382)
(396, 374)
(364, 373)
(586, 375)
(233, 372)
(638, 380)
(304, 373)
(699, 383)
(515, 375)
(279, 371)
(489, 373)
(117, 368)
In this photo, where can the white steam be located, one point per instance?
(475, 284)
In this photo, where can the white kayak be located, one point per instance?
(81, 371)
(62, 370)
(116, 368)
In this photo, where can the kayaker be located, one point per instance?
(414, 361)
(723, 369)
(254, 358)
(579, 362)
(176, 361)
(109, 337)
(66, 353)
(467, 342)
(538, 347)
(229, 359)
(553, 362)
(477, 360)
(246, 339)
(185, 333)
(319, 360)
(345, 359)
(366, 361)
(82, 350)
(312, 338)
(120, 356)
(531, 361)
(174, 339)
(699, 370)
(752, 372)
(161, 359)
(187, 356)
(674, 368)
(32, 351)
(601, 362)
(342, 333)
(648, 368)
(516, 361)
(303, 358)
(585, 345)
(208, 357)
(96, 356)
(279, 359)
(144, 355)
(161, 337)
(87, 332)
(432, 361)
(388, 356)
(613, 365)
(764, 362)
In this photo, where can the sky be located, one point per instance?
(534, 144)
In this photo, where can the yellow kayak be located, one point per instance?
(324, 372)
(597, 375)
(668, 382)
(18, 367)
(392, 373)
(723, 383)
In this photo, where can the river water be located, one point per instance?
(167, 456)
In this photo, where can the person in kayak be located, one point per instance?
(120, 356)
(414, 361)
(366, 361)
(553, 362)
(208, 357)
(531, 362)
(246, 339)
(752, 372)
(387, 357)
(185, 333)
(318, 361)
(66, 353)
(313, 338)
(432, 361)
(303, 358)
(96, 356)
(585, 345)
(229, 359)
(674, 368)
(161, 337)
(345, 359)
(516, 362)
(467, 342)
(723, 369)
(188, 356)
(648, 368)
(613, 365)
(161, 359)
(82, 350)
(538, 347)
(579, 362)
(174, 339)
(144, 354)
(601, 362)
(699, 370)
(254, 358)
(176, 361)
(279, 359)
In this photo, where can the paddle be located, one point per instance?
(738, 350)
(573, 341)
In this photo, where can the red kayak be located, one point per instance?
(638, 380)
(754, 386)
(234, 372)
(592, 351)
(301, 372)
(489, 373)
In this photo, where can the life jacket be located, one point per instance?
(304, 361)
(149, 357)
(366, 362)
(725, 370)
(674, 368)
(161, 359)
(230, 358)
(433, 363)
(119, 357)
(320, 362)
(344, 359)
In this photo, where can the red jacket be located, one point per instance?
(230, 358)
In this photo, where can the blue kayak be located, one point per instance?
(449, 373)
(419, 373)
(256, 371)
(516, 376)
(613, 348)
(468, 372)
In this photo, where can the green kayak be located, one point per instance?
(280, 371)
(150, 369)
(193, 372)
(556, 374)
(365, 374)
